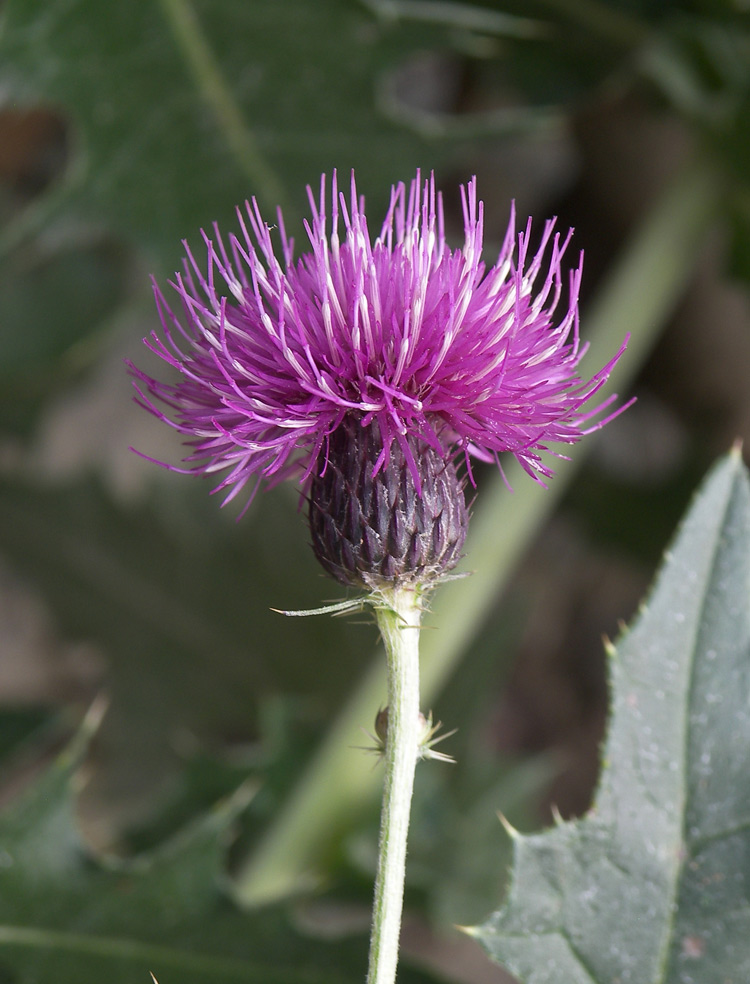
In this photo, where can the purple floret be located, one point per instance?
(274, 354)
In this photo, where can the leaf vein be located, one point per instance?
(217, 94)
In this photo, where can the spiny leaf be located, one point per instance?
(652, 886)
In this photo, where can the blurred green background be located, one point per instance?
(125, 128)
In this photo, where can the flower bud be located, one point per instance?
(405, 524)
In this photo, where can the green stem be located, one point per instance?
(398, 621)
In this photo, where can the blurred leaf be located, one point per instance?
(50, 302)
(211, 771)
(734, 145)
(652, 884)
(181, 110)
(19, 726)
(701, 65)
(64, 295)
(739, 216)
(631, 517)
(179, 601)
(458, 853)
(67, 917)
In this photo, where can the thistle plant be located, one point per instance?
(373, 373)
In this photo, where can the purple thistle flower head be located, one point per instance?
(399, 337)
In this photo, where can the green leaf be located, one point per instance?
(68, 917)
(651, 886)
(182, 109)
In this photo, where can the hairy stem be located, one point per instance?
(398, 620)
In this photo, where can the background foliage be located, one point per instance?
(128, 127)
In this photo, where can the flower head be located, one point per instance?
(403, 332)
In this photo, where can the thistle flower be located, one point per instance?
(398, 357)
